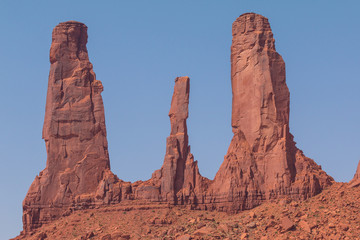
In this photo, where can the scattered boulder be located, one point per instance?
(204, 231)
(184, 237)
(305, 226)
(244, 236)
(287, 224)
(106, 237)
(251, 225)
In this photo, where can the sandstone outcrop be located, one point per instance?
(178, 181)
(179, 174)
(74, 133)
(356, 179)
(262, 161)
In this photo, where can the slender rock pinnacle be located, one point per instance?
(178, 180)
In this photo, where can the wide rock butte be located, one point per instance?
(262, 161)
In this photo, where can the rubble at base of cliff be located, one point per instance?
(333, 214)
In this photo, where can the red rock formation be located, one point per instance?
(356, 179)
(262, 161)
(178, 180)
(74, 133)
(177, 147)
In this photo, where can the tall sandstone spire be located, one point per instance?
(177, 144)
(180, 177)
(262, 161)
(74, 132)
(178, 181)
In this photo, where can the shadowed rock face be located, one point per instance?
(262, 161)
(74, 130)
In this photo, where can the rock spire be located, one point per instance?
(74, 130)
(178, 180)
(262, 161)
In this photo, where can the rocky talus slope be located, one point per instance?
(332, 214)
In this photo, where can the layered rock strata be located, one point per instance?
(74, 132)
(262, 161)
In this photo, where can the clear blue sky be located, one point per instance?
(139, 47)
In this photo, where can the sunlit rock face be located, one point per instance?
(74, 131)
(178, 181)
(262, 161)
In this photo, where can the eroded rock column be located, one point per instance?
(262, 161)
(74, 131)
(178, 181)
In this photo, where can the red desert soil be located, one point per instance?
(333, 214)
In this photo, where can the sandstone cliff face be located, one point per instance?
(74, 132)
(262, 161)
